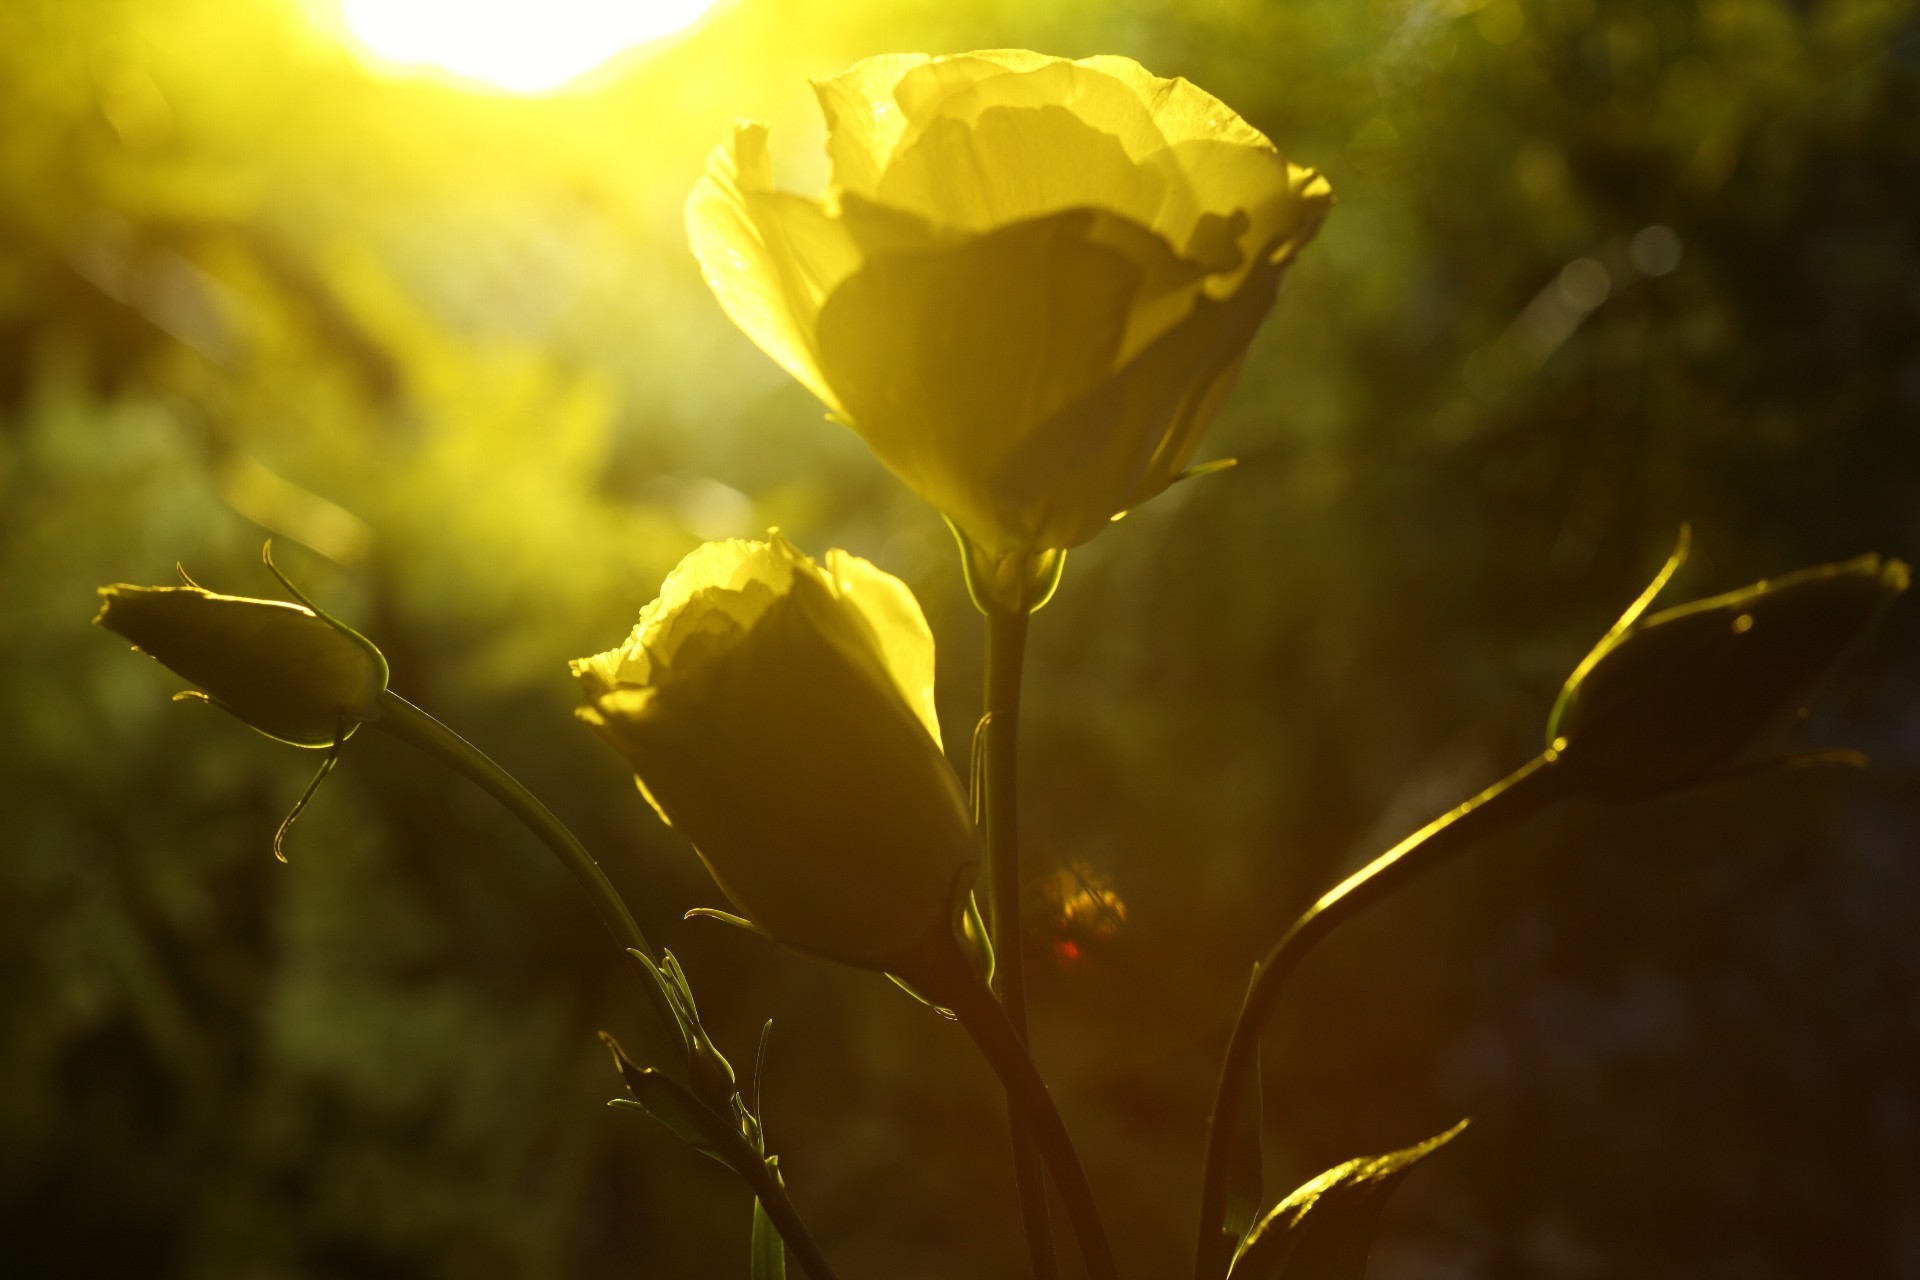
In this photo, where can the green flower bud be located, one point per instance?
(1677, 697)
(779, 714)
(283, 668)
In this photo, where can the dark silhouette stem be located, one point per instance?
(416, 728)
(985, 1020)
(999, 791)
(1506, 802)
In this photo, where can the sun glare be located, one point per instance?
(522, 46)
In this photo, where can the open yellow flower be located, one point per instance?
(1030, 284)
(779, 714)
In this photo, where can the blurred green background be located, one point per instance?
(1598, 266)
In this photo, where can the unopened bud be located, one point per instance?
(1677, 697)
(280, 667)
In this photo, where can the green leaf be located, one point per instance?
(668, 993)
(759, 1070)
(1323, 1230)
(727, 918)
(769, 1251)
(669, 1103)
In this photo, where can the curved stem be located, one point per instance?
(987, 1022)
(1000, 806)
(1526, 790)
(416, 728)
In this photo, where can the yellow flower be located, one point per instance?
(1674, 698)
(1030, 284)
(779, 714)
(280, 667)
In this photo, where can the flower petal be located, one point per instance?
(1181, 110)
(964, 88)
(900, 632)
(810, 788)
(942, 358)
(864, 123)
(712, 572)
(1013, 163)
(1125, 440)
(770, 257)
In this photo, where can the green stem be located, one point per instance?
(1520, 794)
(416, 728)
(1000, 760)
(772, 1194)
(985, 1019)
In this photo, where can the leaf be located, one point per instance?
(667, 993)
(725, 917)
(1682, 546)
(759, 1070)
(1322, 1231)
(1205, 469)
(769, 1250)
(1245, 1178)
(668, 1103)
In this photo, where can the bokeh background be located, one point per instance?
(1598, 266)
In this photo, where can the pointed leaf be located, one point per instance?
(300, 805)
(1682, 547)
(667, 1102)
(725, 917)
(1205, 469)
(681, 985)
(1246, 1185)
(769, 1250)
(759, 1070)
(659, 980)
(1322, 1231)
(674, 1107)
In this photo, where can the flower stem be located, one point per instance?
(416, 728)
(986, 1020)
(1000, 761)
(1520, 794)
(772, 1194)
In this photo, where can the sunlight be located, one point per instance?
(522, 46)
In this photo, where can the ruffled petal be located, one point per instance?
(966, 87)
(1234, 204)
(1181, 110)
(864, 123)
(1011, 163)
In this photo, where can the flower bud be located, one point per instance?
(1675, 698)
(280, 667)
(779, 714)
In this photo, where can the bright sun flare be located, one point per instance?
(524, 46)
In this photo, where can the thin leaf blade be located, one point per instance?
(1324, 1229)
(769, 1250)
